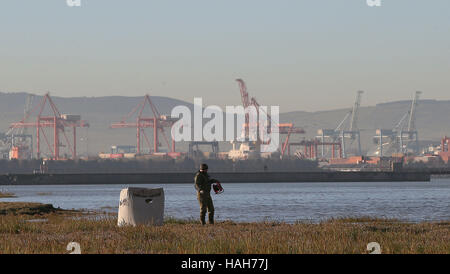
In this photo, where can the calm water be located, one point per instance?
(289, 202)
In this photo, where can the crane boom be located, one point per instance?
(26, 113)
(400, 122)
(244, 93)
(339, 127)
(27, 110)
(354, 120)
(412, 112)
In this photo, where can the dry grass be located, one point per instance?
(4, 194)
(56, 230)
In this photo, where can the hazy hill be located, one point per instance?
(432, 117)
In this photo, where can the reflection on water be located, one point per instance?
(289, 202)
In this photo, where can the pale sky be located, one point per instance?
(299, 54)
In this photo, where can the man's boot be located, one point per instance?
(203, 217)
(211, 218)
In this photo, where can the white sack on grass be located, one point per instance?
(141, 206)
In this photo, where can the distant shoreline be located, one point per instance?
(225, 177)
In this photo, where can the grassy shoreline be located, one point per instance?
(7, 195)
(50, 231)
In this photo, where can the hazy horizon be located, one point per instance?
(237, 103)
(301, 55)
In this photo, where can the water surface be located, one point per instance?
(289, 202)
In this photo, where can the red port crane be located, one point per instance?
(284, 128)
(157, 122)
(56, 121)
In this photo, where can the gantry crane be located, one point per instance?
(399, 138)
(283, 128)
(17, 139)
(57, 122)
(344, 131)
(157, 122)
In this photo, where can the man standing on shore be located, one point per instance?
(203, 187)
